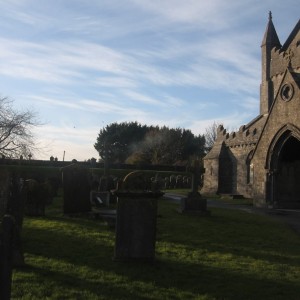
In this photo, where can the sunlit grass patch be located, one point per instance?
(228, 255)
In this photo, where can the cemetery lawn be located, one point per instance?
(228, 255)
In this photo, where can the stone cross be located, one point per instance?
(106, 154)
(196, 176)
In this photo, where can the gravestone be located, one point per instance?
(135, 228)
(99, 199)
(136, 219)
(12, 203)
(4, 192)
(167, 183)
(37, 196)
(194, 202)
(15, 208)
(6, 255)
(179, 182)
(76, 189)
(172, 182)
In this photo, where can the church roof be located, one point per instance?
(291, 36)
(296, 77)
(271, 37)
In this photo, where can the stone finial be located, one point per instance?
(270, 15)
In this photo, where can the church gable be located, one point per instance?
(282, 124)
(288, 54)
(262, 159)
(285, 110)
(286, 105)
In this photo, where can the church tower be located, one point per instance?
(269, 42)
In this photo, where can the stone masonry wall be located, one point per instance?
(282, 114)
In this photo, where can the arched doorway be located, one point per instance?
(284, 170)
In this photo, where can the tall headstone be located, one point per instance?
(6, 256)
(4, 192)
(36, 198)
(15, 207)
(76, 189)
(135, 228)
(12, 196)
(136, 219)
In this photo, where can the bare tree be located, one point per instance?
(16, 136)
(211, 135)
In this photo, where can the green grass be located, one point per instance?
(228, 255)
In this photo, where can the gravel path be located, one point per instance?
(289, 216)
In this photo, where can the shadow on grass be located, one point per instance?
(89, 244)
(233, 232)
(166, 279)
(224, 232)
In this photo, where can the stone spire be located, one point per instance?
(270, 41)
(271, 38)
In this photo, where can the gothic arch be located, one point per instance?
(249, 167)
(283, 165)
(283, 134)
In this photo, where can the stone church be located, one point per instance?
(262, 159)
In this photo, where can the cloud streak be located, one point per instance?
(175, 63)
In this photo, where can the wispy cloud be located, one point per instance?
(175, 63)
(76, 142)
(121, 82)
(56, 102)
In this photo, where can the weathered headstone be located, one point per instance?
(136, 219)
(37, 196)
(6, 256)
(4, 192)
(172, 182)
(136, 228)
(99, 199)
(179, 182)
(167, 183)
(76, 189)
(15, 207)
(194, 201)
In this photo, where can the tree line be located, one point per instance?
(126, 142)
(134, 143)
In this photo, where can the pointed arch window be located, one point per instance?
(250, 169)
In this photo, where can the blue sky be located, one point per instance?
(82, 65)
